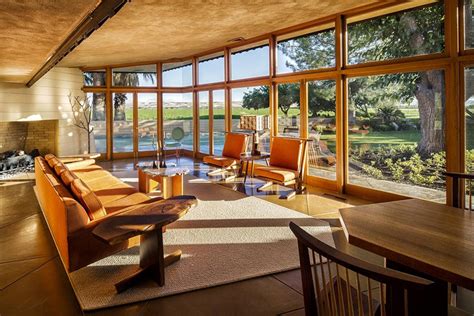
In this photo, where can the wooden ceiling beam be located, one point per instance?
(105, 10)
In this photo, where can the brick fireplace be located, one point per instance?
(41, 135)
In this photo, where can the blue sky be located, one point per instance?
(248, 64)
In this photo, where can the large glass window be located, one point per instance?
(178, 74)
(307, 51)
(147, 121)
(469, 130)
(178, 120)
(415, 32)
(289, 109)
(469, 114)
(123, 122)
(322, 128)
(204, 122)
(136, 76)
(468, 24)
(397, 133)
(98, 122)
(95, 78)
(250, 62)
(211, 69)
(218, 109)
(251, 112)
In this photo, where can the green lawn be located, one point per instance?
(385, 138)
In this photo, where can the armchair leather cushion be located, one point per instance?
(277, 174)
(88, 199)
(234, 145)
(286, 153)
(223, 162)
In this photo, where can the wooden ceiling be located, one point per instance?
(30, 32)
(151, 30)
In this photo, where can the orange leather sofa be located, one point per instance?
(77, 196)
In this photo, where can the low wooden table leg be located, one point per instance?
(166, 187)
(177, 185)
(435, 298)
(152, 261)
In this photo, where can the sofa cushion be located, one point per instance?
(278, 174)
(88, 199)
(59, 168)
(129, 200)
(114, 192)
(286, 153)
(234, 145)
(67, 177)
(52, 161)
(49, 157)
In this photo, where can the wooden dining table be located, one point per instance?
(420, 237)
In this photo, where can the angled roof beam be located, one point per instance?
(105, 10)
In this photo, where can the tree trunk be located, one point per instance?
(430, 97)
(98, 106)
(468, 21)
(429, 94)
(119, 107)
(89, 143)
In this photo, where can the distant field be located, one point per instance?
(187, 113)
(373, 138)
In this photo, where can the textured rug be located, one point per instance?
(228, 237)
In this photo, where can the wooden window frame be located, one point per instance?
(452, 61)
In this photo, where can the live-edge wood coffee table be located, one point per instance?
(147, 222)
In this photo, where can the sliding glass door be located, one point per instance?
(134, 123)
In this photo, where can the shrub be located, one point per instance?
(403, 164)
(373, 172)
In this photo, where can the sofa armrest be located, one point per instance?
(80, 164)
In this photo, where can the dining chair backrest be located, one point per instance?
(340, 284)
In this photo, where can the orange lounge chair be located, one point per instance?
(235, 144)
(286, 166)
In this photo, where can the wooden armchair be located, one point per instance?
(234, 145)
(286, 166)
(345, 285)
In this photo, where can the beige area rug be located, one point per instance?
(228, 237)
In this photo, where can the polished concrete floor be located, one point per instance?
(33, 280)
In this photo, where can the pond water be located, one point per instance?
(124, 143)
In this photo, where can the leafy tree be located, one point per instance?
(322, 97)
(409, 33)
(121, 79)
(98, 99)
